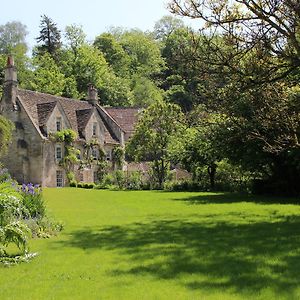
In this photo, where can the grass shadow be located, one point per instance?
(226, 198)
(245, 258)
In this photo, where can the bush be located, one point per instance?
(73, 183)
(80, 184)
(184, 185)
(88, 185)
(134, 181)
(108, 180)
(33, 201)
(12, 229)
(4, 175)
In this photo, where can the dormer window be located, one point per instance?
(94, 129)
(58, 124)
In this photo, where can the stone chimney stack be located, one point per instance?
(92, 96)
(10, 83)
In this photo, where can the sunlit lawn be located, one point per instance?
(158, 245)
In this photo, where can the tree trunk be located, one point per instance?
(212, 169)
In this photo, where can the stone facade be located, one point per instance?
(32, 154)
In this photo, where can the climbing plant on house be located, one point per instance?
(94, 154)
(70, 158)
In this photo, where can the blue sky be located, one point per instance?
(95, 16)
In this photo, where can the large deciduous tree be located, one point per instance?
(159, 125)
(255, 46)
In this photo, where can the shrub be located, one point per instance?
(12, 229)
(108, 180)
(80, 185)
(134, 181)
(119, 179)
(73, 183)
(32, 200)
(88, 185)
(4, 175)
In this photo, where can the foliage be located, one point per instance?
(12, 35)
(6, 128)
(159, 124)
(4, 175)
(118, 156)
(75, 37)
(33, 201)
(49, 37)
(144, 53)
(114, 53)
(70, 158)
(12, 230)
(47, 76)
(164, 27)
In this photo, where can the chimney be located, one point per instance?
(92, 96)
(10, 83)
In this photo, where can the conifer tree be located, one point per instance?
(49, 38)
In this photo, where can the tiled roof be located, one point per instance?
(125, 117)
(44, 111)
(83, 117)
(40, 106)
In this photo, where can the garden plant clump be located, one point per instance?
(22, 216)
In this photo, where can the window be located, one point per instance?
(96, 177)
(58, 124)
(94, 153)
(108, 155)
(94, 129)
(59, 178)
(58, 152)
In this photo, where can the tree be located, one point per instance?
(75, 37)
(12, 34)
(255, 45)
(166, 26)
(46, 77)
(269, 25)
(199, 148)
(158, 125)
(49, 37)
(144, 53)
(114, 53)
(13, 42)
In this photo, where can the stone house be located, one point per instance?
(33, 156)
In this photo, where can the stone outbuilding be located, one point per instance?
(33, 156)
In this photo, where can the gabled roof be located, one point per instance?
(83, 117)
(125, 117)
(44, 111)
(41, 105)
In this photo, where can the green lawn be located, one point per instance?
(158, 245)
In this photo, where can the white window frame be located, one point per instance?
(59, 178)
(58, 146)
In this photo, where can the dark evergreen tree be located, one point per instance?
(49, 38)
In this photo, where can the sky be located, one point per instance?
(95, 16)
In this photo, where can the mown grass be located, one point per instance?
(159, 245)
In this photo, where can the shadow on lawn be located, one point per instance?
(226, 198)
(243, 257)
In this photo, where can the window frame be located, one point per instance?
(59, 178)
